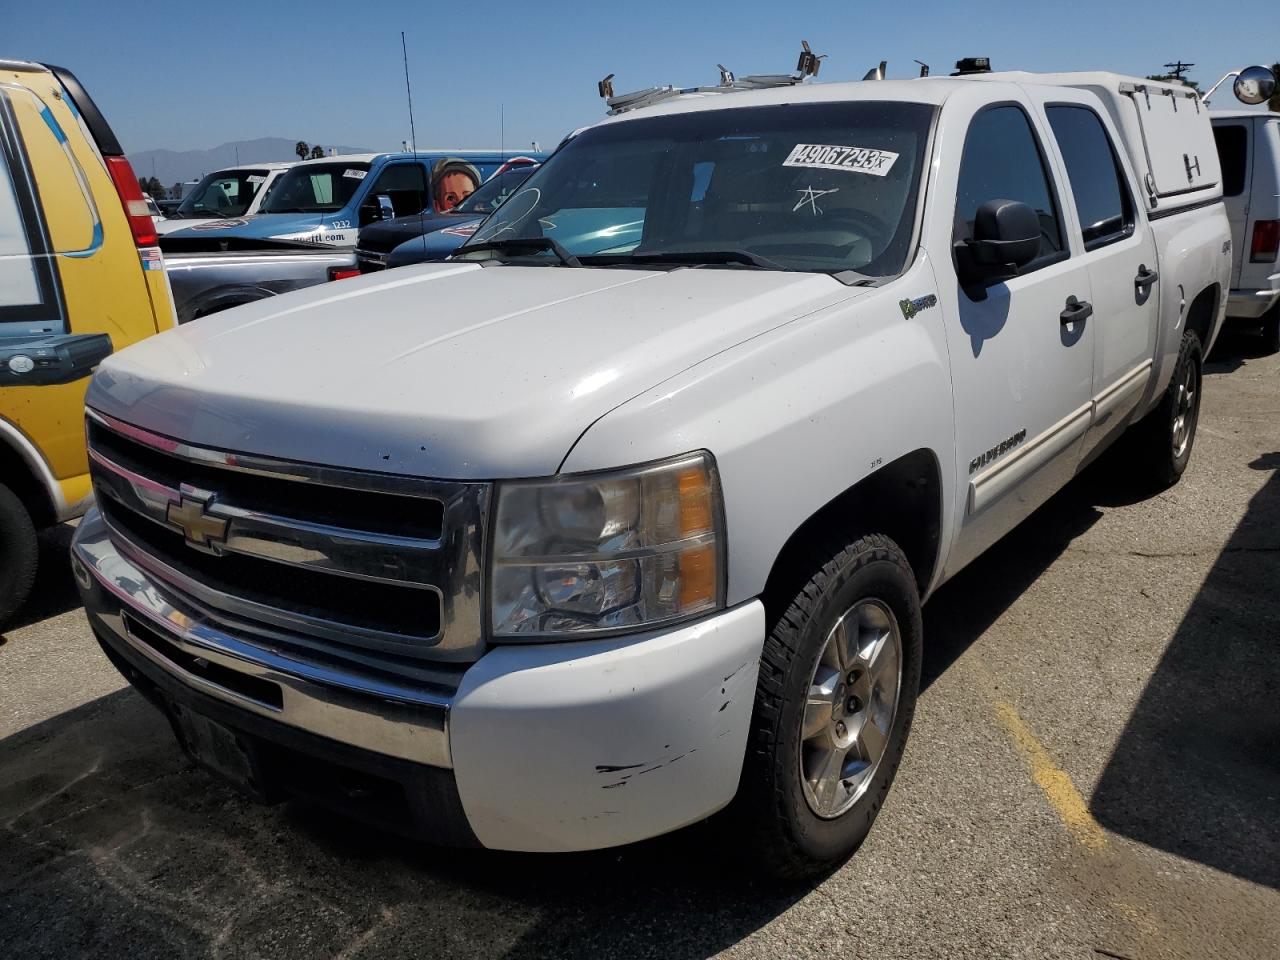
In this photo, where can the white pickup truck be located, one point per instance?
(625, 515)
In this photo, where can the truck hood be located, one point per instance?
(437, 245)
(385, 236)
(257, 226)
(452, 370)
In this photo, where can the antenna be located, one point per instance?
(413, 137)
(502, 130)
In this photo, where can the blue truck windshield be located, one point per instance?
(316, 188)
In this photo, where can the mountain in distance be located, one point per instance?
(178, 166)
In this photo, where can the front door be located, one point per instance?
(1022, 368)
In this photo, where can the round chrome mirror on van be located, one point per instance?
(1255, 85)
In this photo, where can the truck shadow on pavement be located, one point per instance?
(114, 843)
(1196, 771)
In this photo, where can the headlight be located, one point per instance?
(603, 552)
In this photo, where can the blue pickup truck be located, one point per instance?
(326, 201)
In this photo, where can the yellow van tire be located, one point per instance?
(18, 552)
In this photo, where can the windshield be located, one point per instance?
(819, 187)
(226, 193)
(494, 191)
(315, 188)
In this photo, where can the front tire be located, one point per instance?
(837, 691)
(19, 550)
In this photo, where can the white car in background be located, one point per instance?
(230, 192)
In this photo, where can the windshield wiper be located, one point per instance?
(697, 257)
(528, 243)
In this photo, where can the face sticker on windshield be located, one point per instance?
(354, 174)
(809, 198)
(853, 159)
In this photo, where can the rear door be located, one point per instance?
(31, 301)
(1118, 247)
(89, 277)
(1022, 375)
(1233, 138)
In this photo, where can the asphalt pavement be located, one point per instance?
(1094, 772)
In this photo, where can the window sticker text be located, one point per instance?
(855, 159)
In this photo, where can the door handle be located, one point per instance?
(1145, 277)
(1076, 311)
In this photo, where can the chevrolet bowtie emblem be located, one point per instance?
(201, 528)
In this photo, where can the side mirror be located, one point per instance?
(386, 209)
(1006, 237)
(1255, 85)
(51, 360)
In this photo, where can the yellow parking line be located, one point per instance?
(1053, 781)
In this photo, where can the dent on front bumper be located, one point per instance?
(552, 747)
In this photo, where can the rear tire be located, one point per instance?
(1167, 434)
(1271, 329)
(19, 551)
(837, 691)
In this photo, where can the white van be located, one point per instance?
(1249, 149)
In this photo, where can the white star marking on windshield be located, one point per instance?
(809, 197)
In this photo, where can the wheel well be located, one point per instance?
(17, 475)
(902, 500)
(1201, 313)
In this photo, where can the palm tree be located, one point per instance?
(301, 149)
(317, 152)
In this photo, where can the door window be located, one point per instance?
(1097, 181)
(405, 184)
(29, 295)
(1002, 161)
(1233, 153)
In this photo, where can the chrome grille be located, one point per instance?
(378, 569)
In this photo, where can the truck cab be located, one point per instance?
(326, 201)
(624, 515)
(224, 194)
(1249, 149)
(80, 276)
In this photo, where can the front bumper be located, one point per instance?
(540, 747)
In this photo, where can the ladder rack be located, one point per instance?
(620, 103)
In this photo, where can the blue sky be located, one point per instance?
(186, 75)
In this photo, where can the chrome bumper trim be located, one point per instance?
(396, 720)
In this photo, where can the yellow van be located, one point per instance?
(81, 275)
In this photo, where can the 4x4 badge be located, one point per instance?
(911, 307)
(191, 514)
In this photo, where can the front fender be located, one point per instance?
(797, 416)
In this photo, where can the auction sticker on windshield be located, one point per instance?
(821, 156)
